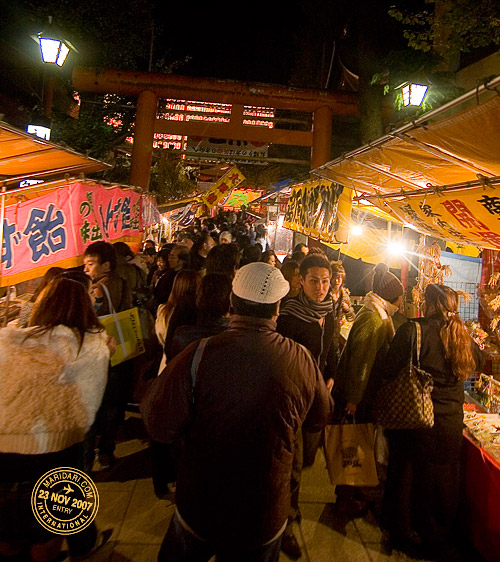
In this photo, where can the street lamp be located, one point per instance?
(414, 94)
(53, 48)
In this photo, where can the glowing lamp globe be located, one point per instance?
(414, 94)
(54, 51)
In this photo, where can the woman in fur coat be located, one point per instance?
(52, 379)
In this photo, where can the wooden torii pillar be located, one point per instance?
(149, 87)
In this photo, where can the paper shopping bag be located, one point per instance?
(125, 327)
(349, 454)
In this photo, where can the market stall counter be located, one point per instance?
(481, 482)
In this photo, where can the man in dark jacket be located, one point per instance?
(309, 319)
(238, 413)
(100, 262)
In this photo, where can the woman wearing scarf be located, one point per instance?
(309, 319)
(358, 374)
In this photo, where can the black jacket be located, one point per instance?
(443, 441)
(317, 339)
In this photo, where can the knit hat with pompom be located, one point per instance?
(386, 284)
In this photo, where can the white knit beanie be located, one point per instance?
(260, 282)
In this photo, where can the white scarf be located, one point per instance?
(383, 308)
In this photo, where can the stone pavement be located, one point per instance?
(139, 520)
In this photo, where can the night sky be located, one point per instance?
(241, 41)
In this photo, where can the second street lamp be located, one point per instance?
(414, 94)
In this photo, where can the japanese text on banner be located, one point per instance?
(223, 187)
(55, 228)
(471, 217)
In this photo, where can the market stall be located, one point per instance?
(437, 176)
(51, 223)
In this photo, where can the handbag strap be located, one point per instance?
(419, 342)
(198, 354)
(108, 296)
(115, 317)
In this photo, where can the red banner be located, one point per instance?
(55, 228)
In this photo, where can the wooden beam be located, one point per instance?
(234, 131)
(131, 83)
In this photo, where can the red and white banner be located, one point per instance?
(55, 228)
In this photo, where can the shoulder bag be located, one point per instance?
(406, 402)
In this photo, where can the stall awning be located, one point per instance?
(439, 175)
(23, 156)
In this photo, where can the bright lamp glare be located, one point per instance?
(395, 248)
(356, 230)
(414, 94)
(281, 220)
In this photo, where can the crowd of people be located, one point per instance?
(250, 366)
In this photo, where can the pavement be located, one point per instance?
(139, 519)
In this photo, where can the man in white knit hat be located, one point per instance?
(237, 401)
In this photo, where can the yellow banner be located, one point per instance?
(223, 187)
(465, 217)
(313, 210)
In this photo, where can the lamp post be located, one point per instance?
(54, 51)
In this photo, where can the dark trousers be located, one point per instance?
(164, 462)
(179, 545)
(111, 412)
(306, 447)
(420, 494)
(397, 503)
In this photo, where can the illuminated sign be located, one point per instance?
(167, 141)
(39, 131)
(221, 147)
(183, 110)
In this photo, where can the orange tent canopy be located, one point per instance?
(24, 156)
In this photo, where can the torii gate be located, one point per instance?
(149, 87)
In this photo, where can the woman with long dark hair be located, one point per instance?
(181, 303)
(422, 489)
(25, 313)
(53, 374)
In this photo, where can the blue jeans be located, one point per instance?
(179, 545)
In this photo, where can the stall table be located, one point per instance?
(481, 485)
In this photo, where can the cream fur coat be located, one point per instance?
(50, 390)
